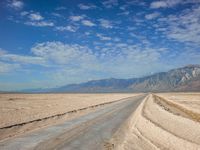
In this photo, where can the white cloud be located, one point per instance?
(51, 54)
(8, 67)
(88, 23)
(103, 38)
(120, 59)
(61, 53)
(152, 16)
(61, 8)
(124, 13)
(87, 33)
(66, 62)
(82, 57)
(183, 27)
(56, 14)
(35, 17)
(171, 3)
(16, 4)
(158, 4)
(2, 51)
(110, 3)
(72, 63)
(136, 2)
(40, 23)
(67, 28)
(85, 22)
(123, 7)
(24, 13)
(86, 7)
(105, 23)
(116, 39)
(76, 18)
(23, 59)
(123, 60)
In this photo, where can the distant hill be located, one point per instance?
(182, 79)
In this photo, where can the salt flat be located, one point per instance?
(154, 121)
(16, 109)
(163, 121)
(88, 132)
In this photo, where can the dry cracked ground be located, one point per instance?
(100, 121)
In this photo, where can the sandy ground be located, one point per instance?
(89, 132)
(191, 100)
(18, 109)
(163, 121)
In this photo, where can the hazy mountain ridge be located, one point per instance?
(182, 79)
(172, 80)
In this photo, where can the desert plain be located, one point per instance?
(20, 113)
(158, 121)
(163, 121)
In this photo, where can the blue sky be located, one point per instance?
(52, 43)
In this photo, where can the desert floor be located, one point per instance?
(163, 121)
(20, 113)
(100, 121)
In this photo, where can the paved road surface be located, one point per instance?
(89, 132)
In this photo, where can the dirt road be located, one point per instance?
(88, 132)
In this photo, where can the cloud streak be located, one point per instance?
(40, 24)
(171, 3)
(184, 27)
(86, 7)
(76, 18)
(105, 23)
(152, 15)
(67, 28)
(16, 4)
(35, 19)
(88, 23)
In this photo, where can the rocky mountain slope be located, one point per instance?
(182, 79)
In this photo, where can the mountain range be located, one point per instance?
(181, 79)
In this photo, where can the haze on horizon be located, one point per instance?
(51, 43)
